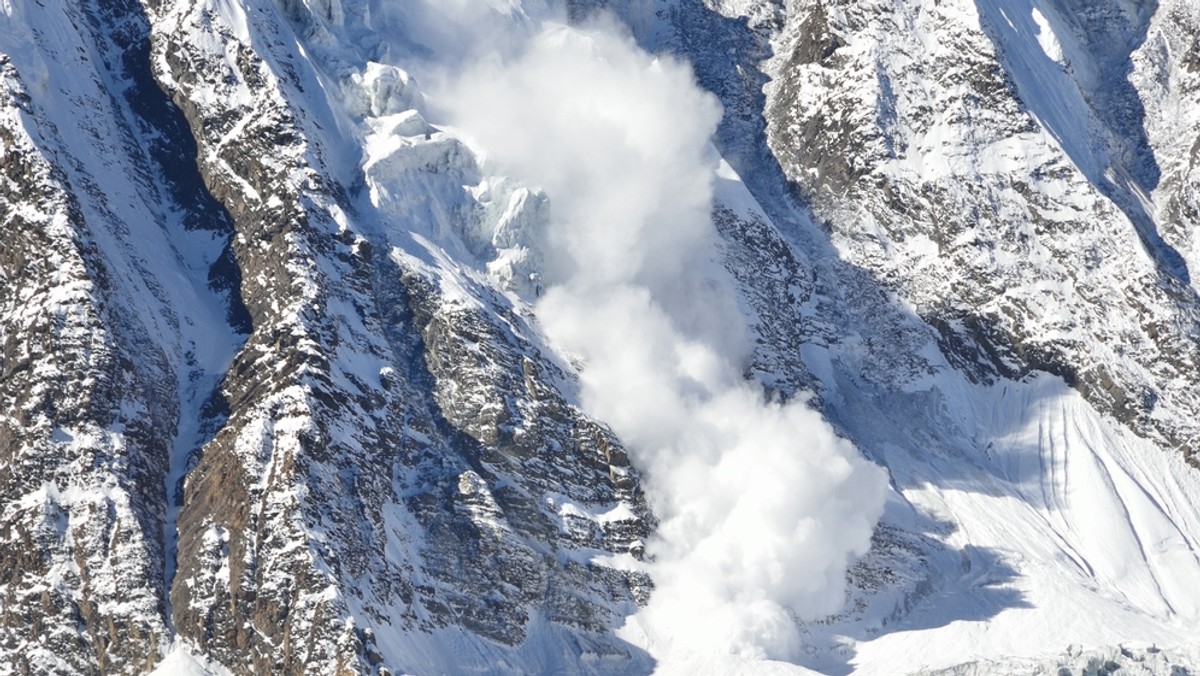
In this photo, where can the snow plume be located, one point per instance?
(761, 505)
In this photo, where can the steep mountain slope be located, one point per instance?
(1001, 192)
(115, 326)
(923, 140)
(279, 395)
(368, 442)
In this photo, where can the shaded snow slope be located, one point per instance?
(1050, 526)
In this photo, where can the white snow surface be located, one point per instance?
(183, 660)
(1061, 528)
(157, 268)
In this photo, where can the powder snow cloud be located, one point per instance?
(762, 505)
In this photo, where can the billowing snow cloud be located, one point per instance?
(762, 506)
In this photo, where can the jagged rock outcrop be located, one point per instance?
(1011, 216)
(372, 452)
(391, 457)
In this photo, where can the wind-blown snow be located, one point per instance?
(762, 506)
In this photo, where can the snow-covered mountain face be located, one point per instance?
(445, 336)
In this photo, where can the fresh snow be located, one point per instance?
(1046, 37)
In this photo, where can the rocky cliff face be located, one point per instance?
(98, 350)
(273, 387)
(998, 177)
(342, 440)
